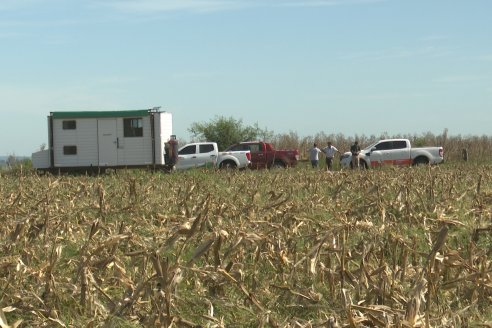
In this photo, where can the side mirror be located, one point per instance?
(373, 149)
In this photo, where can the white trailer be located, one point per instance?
(97, 140)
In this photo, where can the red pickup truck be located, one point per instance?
(264, 155)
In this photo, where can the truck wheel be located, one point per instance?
(227, 165)
(420, 161)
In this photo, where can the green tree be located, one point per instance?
(227, 131)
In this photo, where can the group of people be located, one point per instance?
(330, 152)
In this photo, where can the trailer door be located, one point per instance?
(107, 142)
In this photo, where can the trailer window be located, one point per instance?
(133, 127)
(69, 150)
(69, 125)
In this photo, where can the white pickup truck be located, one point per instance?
(394, 152)
(200, 154)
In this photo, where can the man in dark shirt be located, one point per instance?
(355, 150)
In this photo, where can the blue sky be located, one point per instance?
(308, 66)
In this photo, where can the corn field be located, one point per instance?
(478, 148)
(396, 247)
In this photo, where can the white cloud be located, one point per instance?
(8, 5)
(460, 79)
(203, 6)
(485, 57)
(434, 38)
(393, 96)
(11, 35)
(327, 3)
(395, 53)
(98, 91)
(158, 6)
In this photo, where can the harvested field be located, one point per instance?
(396, 247)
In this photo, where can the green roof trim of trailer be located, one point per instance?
(101, 114)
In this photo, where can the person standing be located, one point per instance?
(330, 151)
(355, 150)
(314, 155)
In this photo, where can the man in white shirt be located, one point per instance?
(314, 155)
(330, 151)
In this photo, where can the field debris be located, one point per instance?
(286, 248)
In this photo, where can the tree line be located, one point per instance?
(228, 130)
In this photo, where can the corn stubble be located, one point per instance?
(286, 248)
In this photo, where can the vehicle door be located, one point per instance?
(378, 154)
(107, 142)
(187, 157)
(207, 155)
(259, 158)
(399, 154)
